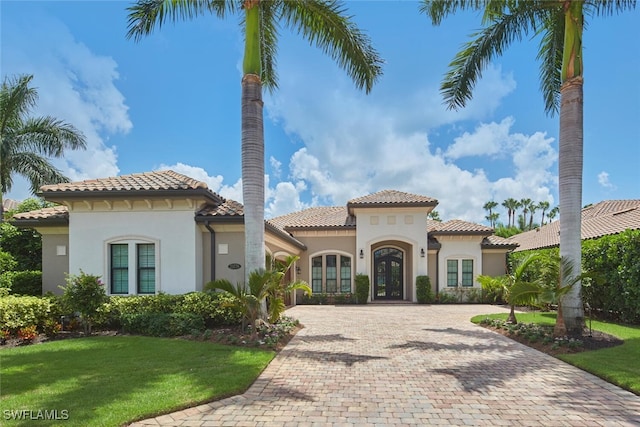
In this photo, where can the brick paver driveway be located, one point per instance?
(413, 365)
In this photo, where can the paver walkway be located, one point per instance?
(412, 365)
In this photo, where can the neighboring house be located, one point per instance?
(9, 204)
(602, 219)
(166, 232)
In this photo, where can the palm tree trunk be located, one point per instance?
(252, 143)
(253, 172)
(570, 162)
(560, 329)
(512, 316)
(570, 180)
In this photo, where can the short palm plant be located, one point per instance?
(263, 285)
(504, 285)
(555, 280)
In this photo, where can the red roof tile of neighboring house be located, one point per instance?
(602, 219)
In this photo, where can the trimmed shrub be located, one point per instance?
(162, 324)
(85, 294)
(7, 262)
(423, 290)
(362, 288)
(18, 312)
(344, 299)
(215, 308)
(26, 283)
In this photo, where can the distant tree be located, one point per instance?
(511, 205)
(533, 207)
(24, 244)
(525, 204)
(553, 213)
(543, 206)
(434, 215)
(27, 142)
(492, 218)
(489, 208)
(507, 231)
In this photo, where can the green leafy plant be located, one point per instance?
(248, 297)
(423, 290)
(502, 285)
(362, 288)
(84, 294)
(20, 311)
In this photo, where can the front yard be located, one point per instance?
(112, 380)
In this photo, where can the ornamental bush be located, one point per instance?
(18, 312)
(84, 294)
(25, 282)
(423, 290)
(163, 324)
(362, 288)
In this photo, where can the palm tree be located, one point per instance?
(27, 142)
(553, 213)
(511, 205)
(434, 215)
(503, 285)
(560, 24)
(489, 208)
(322, 22)
(543, 206)
(533, 207)
(525, 204)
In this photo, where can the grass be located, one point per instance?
(109, 381)
(617, 365)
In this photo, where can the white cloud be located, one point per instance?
(215, 183)
(355, 145)
(75, 85)
(603, 180)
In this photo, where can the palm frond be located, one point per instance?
(16, 100)
(36, 169)
(437, 10)
(550, 56)
(324, 23)
(269, 44)
(608, 7)
(144, 15)
(524, 293)
(49, 136)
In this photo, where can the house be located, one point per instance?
(165, 232)
(602, 219)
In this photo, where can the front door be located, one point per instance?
(388, 268)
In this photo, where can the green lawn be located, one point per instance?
(618, 365)
(108, 381)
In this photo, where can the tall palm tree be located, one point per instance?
(525, 204)
(489, 208)
(543, 206)
(553, 213)
(560, 24)
(511, 205)
(324, 23)
(533, 207)
(27, 142)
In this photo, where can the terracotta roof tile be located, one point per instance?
(158, 180)
(227, 208)
(457, 226)
(498, 242)
(391, 197)
(317, 217)
(604, 218)
(51, 213)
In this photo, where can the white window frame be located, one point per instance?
(131, 242)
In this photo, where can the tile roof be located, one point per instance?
(60, 213)
(317, 217)
(602, 219)
(229, 208)
(457, 226)
(148, 181)
(387, 198)
(494, 241)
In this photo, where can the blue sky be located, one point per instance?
(172, 100)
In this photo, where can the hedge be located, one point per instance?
(17, 312)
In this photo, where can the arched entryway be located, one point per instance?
(388, 267)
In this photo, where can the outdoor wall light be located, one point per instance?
(298, 269)
(361, 254)
(422, 252)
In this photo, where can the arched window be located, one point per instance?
(331, 273)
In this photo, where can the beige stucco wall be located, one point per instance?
(55, 265)
(325, 243)
(494, 262)
(432, 262)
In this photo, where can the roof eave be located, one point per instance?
(87, 194)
